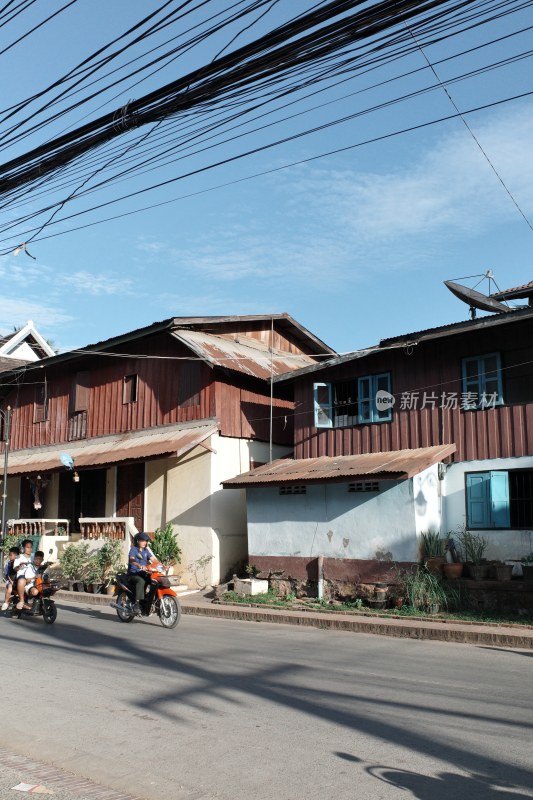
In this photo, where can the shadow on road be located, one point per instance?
(443, 786)
(360, 708)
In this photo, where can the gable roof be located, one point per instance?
(178, 324)
(245, 355)
(12, 345)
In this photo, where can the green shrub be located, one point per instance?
(433, 545)
(165, 546)
(472, 546)
(74, 561)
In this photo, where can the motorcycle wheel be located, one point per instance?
(49, 612)
(124, 610)
(169, 611)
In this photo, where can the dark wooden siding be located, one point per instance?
(432, 366)
(158, 388)
(243, 408)
(171, 375)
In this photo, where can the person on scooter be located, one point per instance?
(140, 556)
(31, 573)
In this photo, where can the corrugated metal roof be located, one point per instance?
(164, 440)
(516, 291)
(397, 464)
(458, 327)
(244, 354)
(7, 363)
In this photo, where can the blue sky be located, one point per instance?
(355, 246)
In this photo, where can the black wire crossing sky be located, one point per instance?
(109, 129)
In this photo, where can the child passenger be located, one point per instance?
(22, 562)
(9, 575)
(31, 572)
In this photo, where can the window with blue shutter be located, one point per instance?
(482, 382)
(487, 500)
(323, 405)
(361, 401)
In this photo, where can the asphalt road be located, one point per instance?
(236, 710)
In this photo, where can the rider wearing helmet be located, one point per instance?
(140, 556)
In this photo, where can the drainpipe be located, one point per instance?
(320, 563)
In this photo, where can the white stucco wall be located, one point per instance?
(330, 521)
(503, 544)
(208, 520)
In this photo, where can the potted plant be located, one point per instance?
(473, 547)
(425, 591)
(527, 567)
(503, 572)
(109, 560)
(165, 546)
(434, 552)
(73, 563)
(93, 577)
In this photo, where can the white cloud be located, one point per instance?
(450, 190)
(96, 284)
(15, 312)
(322, 227)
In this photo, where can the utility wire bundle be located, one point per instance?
(227, 98)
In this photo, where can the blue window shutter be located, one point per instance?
(499, 497)
(471, 381)
(365, 401)
(381, 383)
(478, 499)
(323, 405)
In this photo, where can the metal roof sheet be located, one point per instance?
(458, 327)
(525, 290)
(243, 354)
(397, 464)
(164, 440)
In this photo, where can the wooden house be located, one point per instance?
(153, 421)
(428, 430)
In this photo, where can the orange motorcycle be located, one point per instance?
(159, 598)
(40, 605)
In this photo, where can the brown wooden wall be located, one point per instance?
(244, 412)
(165, 395)
(432, 366)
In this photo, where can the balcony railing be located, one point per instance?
(121, 528)
(38, 527)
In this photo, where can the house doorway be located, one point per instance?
(83, 499)
(130, 493)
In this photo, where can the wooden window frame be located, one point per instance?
(368, 413)
(130, 388)
(40, 405)
(478, 384)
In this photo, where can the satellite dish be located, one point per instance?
(476, 300)
(67, 460)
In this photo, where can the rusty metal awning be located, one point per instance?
(396, 465)
(243, 354)
(167, 440)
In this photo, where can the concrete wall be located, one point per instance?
(210, 521)
(330, 521)
(503, 544)
(427, 502)
(13, 497)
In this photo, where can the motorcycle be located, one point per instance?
(40, 605)
(159, 598)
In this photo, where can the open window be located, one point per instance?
(129, 390)
(360, 401)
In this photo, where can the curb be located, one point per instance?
(441, 632)
(403, 629)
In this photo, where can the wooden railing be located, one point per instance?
(38, 527)
(121, 528)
